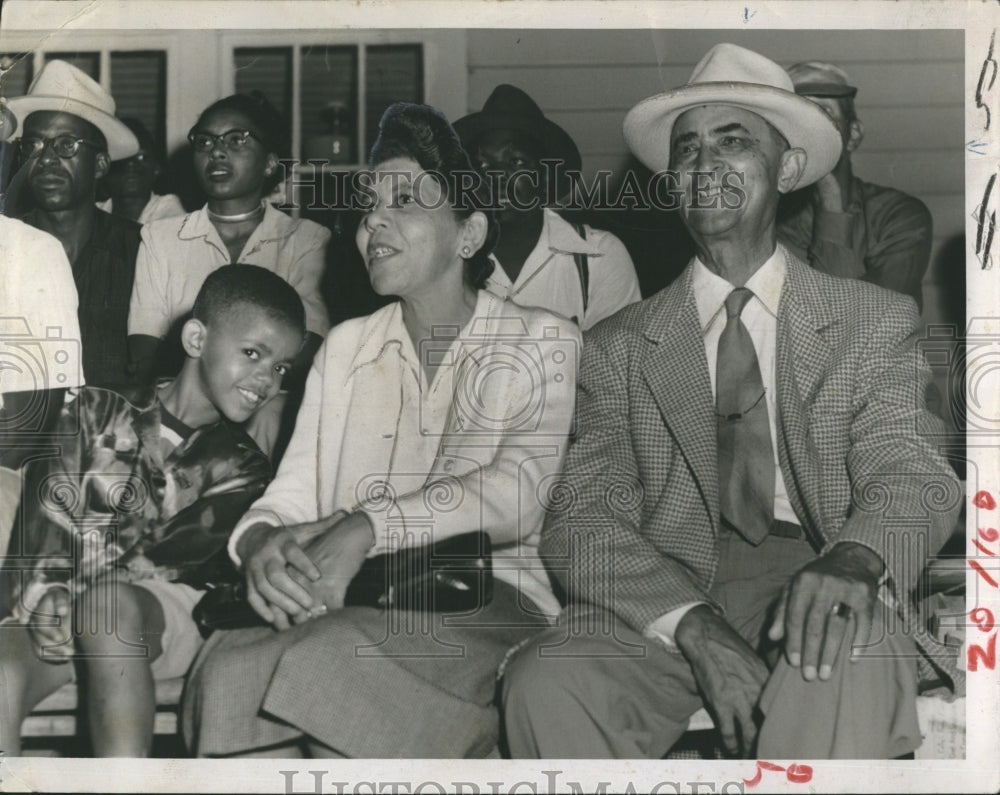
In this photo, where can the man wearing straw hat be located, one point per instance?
(69, 136)
(750, 466)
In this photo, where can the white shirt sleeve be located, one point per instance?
(665, 626)
(613, 282)
(150, 310)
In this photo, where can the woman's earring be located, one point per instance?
(466, 251)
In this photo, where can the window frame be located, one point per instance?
(444, 70)
(40, 43)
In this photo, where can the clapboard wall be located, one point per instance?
(910, 101)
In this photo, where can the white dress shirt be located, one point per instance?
(760, 316)
(549, 278)
(39, 327)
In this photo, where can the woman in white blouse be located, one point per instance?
(443, 413)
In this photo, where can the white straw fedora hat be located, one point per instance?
(62, 87)
(732, 75)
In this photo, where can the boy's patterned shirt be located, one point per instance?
(110, 499)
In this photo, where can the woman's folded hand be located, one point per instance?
(270, 554)
(338, 554)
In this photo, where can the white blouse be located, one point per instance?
(480, 447)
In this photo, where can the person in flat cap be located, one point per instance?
(746, 441)
(69, 136)
(841, 224)
(545, 261)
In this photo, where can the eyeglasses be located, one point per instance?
(65, 146)
(232, 140)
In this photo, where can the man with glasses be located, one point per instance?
(236, 146)
(68, 138)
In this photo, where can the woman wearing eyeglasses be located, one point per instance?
(236, 145)
(443, 413)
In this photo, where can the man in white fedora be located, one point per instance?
(69, 135)
(751, 465)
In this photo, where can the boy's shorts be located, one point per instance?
(181, 639)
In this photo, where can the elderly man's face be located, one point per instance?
(720, 139)
(64, 183)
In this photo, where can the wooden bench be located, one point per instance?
(57, 715)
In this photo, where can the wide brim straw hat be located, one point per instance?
(733, 75)
(64, 88)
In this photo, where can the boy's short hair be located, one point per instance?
(233, 285)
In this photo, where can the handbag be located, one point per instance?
(454, 575)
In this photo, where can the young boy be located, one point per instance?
(117, 533)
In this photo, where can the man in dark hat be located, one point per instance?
(69, 137)
(574, 270)
(847, 227)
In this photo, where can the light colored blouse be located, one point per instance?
(478, 448)
(165, 206)
(177, 255)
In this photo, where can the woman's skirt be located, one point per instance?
(362, 681)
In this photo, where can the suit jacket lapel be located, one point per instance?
(802, 357)
(676, 372)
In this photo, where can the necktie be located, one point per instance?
(746, 460)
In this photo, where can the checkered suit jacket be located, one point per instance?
(633, 530)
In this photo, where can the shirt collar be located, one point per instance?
(275, 225)
(711, 290)
(386, 331)
(558, 237)
(562, 236)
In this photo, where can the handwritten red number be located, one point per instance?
(753, 782)
(984, 500)
(982, 617)
(984, 550)
(982, 571)
(796, 773)
(799, 774)
(989, 534)
(987, 655)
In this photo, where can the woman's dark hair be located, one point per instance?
(423, 134)
(267, 122)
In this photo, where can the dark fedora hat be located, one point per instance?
(509, 108)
